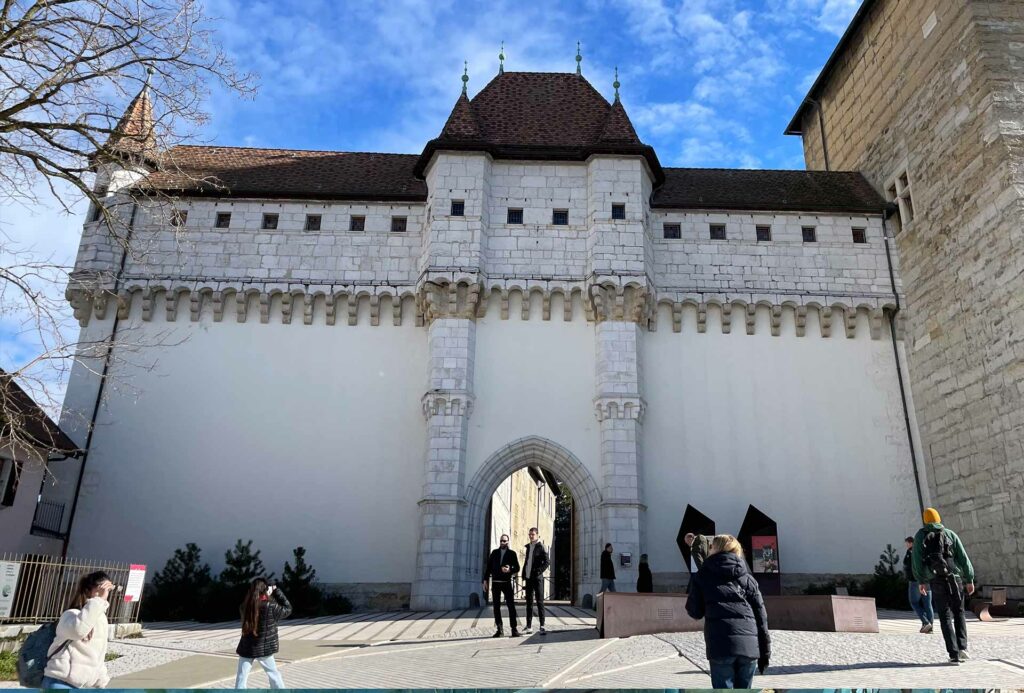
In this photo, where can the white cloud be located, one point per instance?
(835, 15)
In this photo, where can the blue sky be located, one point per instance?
(706, 82)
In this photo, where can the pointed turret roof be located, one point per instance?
(539, 115)
(134, 137)
(461, 124)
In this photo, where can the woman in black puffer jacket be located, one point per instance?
(727, 597)
(263, 607)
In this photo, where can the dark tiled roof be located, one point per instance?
(539, 115)
(21, 417)
(284, 173)
(796, 126)
(798, 191)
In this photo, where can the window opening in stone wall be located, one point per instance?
(717, 232)
(97, 212)
(900, 193)
(223, 220)
(313, 222)
(671, 231)
(269, 221)
(764, 233)
(515, 216)
(560, 217)
(618, 211)
(178, 217)
(356, 223)
(398, 224)
(458, 208)
(860, 235)
(809, 233)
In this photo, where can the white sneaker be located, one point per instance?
(528, 629)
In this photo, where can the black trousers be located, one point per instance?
(948, 603)
(499, 590)
(534, 588)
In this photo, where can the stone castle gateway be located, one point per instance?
(370, 343)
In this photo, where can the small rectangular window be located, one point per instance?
(809, 233)
(179, 217)
(223, 220)
(313, 222)
(10, 475)
(458, 208)
(764, 233)
(671, 231)
(515, 216)
(269, 221)
(356, 223)
(397, 224)
(716, 232)
(618, 211)
(860, 235)
(560, 217)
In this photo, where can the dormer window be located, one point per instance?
(618, 211)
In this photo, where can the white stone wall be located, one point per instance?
(289, 435)
(809, 430)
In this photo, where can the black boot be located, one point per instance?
(515, 633)
(498, 634)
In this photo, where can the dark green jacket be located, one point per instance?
(961, 563)
(700, 549)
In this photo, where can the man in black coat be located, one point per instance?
(502, 566)
(533, 576)
(607, 570)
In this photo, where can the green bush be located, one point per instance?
(887, 586)
(8, 666)
(179, 591)
(300, 586)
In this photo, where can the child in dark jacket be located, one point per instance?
(727, 597)
(263, 607)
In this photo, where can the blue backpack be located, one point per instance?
(32, 658)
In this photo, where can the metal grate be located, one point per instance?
(49, 518)
(515, 216)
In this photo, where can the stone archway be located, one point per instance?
(566, 467)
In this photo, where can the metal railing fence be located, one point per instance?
(46, 585)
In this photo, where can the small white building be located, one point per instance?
(351, 351)
(30, 443)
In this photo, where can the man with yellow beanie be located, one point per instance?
(939, 558)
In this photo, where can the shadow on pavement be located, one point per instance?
(819, 668)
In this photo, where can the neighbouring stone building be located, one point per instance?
(365, 346)
(926, 99)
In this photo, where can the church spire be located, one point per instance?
(579, 59)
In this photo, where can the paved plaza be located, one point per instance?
(452, 649)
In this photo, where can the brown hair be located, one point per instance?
(251, 606)
(86, 585)
(725, 543)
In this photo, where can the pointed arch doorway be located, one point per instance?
(567, 468)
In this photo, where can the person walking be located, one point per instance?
(607, 570)
(78, 656)
(533, 579)
(502, 566)
(263, 607)
(644, 581)
(727, 597)
(920, 603)
(939, 558)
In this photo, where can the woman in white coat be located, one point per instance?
(77, 657)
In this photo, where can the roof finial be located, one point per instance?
(616, 83)
(579, 59)
(501, 59)
(149, 75)
(465, 75)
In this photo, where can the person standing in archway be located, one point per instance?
(607, 570)
(533, 579)
(502, 566)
